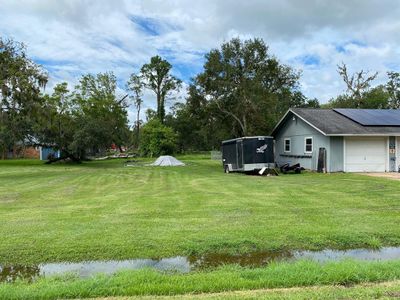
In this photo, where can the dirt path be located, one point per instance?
(390, 175)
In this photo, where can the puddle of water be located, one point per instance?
(389, 253)
(86, 269)
(89, 268)
(253, 259)
(10, 273)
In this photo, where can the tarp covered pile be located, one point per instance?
(166, 160)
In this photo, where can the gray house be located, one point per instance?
(356, 140)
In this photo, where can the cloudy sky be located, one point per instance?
(71, 37)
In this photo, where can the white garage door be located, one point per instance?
(366, 154)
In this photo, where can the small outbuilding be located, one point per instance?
(351, 140)
(46, 153)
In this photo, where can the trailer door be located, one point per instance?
(239, 154)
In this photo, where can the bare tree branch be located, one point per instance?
(358, 83)
(242, 125)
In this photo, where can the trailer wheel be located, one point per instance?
(226, 170)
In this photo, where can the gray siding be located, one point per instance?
(337, 160)
(297, 130)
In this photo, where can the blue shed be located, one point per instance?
(45, 152)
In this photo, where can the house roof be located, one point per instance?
(331, 123)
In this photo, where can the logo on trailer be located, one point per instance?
(262, 149)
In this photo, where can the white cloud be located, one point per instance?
(72, 37)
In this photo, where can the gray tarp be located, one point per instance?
(167, 160)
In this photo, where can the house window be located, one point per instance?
(308, 145)
(287, 145)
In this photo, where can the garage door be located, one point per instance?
(366, 154)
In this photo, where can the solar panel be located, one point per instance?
(372, 117)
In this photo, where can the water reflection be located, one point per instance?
(11, 273)
(253, 259)
(181, 264)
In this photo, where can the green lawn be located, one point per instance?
(103, 210)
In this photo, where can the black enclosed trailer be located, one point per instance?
(247, 154)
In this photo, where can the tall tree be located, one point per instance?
(199, 123)
(21, 81)
(393, 88)
(91, 118)
(135, 86)
(248, 85)
(102, 116)
(357, 84)
(57, 125)
(156, 76)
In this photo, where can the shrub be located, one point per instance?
(157, 139)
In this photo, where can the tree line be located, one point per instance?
(242, 90)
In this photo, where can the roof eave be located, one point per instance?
(364, 134)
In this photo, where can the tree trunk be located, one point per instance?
(23, 151)
(162, 111)
(244, 126)
(159, 105)
(138, 128)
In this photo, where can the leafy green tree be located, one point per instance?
(199, 123)
(57, 124)
(243, 90)
(156, 76)
(87, 120)
(150, 114)
(393, 88)
(248, 85)
(375, 98)
(157, 139)
(341, 101)
(21, 81)
(311, 103)
(102, 118)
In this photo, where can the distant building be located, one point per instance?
(21, 151)
(47, 152)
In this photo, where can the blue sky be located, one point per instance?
(71, 37)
